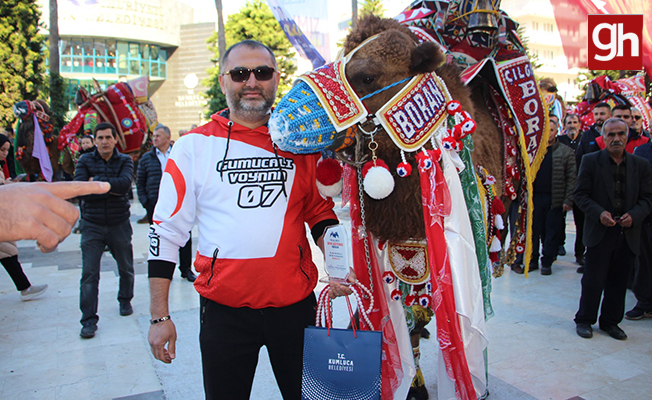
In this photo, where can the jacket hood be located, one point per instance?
(222, 118)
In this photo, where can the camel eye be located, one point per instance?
(368, 80)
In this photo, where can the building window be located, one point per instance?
(108, 56)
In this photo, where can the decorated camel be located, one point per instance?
(40, 156)
(404, 124)
(124, 104)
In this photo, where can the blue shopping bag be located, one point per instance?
(341, 364)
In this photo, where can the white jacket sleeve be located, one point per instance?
(174, 215)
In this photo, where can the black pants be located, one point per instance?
(16, 273)
(607, 269)
(643, 277)
(547, 227)
(578, 218)
(185, 252)
(94, 239)
(231, 338)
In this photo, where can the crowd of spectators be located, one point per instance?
(608, 187)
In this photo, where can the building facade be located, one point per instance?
(544, 41)
(106, 41)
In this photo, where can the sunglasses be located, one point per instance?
(637, 117)
(241, 74)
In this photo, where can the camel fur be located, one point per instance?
(395, 55)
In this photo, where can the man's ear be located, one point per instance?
(426, 57)
(220, 79)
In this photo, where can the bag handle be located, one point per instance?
(325, 306)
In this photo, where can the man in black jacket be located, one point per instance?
(601, 112)
(614, 189)
(106, 223)
(150, 170)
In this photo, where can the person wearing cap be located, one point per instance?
(251, 202)
(614, 189)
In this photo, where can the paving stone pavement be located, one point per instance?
(533, 352)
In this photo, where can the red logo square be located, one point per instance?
(615, 41)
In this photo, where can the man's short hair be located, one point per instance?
(602, 104)
(164, 128)
(252, 44)
(569, 115)
(611, 121)
(105, 125)
(621, 107)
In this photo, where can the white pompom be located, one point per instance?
(495, 245)
(498, 222)
(378, 183)
(330, 190)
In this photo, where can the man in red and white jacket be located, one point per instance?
(251, 203)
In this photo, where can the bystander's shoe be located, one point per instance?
(88, 330)
(561, 251)
(518, 268)
(638, 313)
(533, 266)
(584, 330)
(126, 308)
(615, 332)
(32, 292)
(189, 275)
(546, 270)
(579, 260)
(580, 270)
(143, 220)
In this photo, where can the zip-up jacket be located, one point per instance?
(149, 178)
(251, 203)
(109, 208)
(564, 175)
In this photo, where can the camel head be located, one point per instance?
(383, 90)
(391, 55)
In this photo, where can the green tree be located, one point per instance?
(374, 7)
(254, 21)
(22, 56)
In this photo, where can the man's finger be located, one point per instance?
(68, 190)
(172, 347)
(64, 210)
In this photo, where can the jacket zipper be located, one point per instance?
(217, 250)
(301, 262)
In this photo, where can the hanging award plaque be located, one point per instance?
(336, 251)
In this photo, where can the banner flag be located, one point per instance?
(295, 36)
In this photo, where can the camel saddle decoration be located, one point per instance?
(126, 105)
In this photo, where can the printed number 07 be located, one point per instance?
(252, 196)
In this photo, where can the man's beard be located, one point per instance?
(250, 109)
